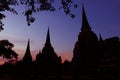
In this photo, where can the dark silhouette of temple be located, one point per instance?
(85, 52)
(48, 55)
(93, 59)
(109, 58)
(47, 60)
(27, 57)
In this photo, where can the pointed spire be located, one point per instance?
(27, 57)
(28, 46)
(48, 39)
(85, 24)
(100, 37)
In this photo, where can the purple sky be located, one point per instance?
(103, 17)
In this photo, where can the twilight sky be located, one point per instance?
(103, 17)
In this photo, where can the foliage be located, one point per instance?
(6, 50)
(5, 6)
(33, 7)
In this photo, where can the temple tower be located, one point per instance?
(27, 57)
(86, 47)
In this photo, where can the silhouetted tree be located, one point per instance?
(6, 50)
(5, 6)
(35, 6)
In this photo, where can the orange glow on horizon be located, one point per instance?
(20, 52)
(2, 62)
(64, 55)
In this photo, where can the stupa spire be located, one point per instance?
(27, 57)
(85, 24)
(48, 39)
